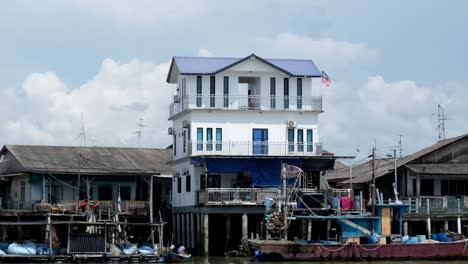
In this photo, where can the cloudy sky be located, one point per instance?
(391, 64)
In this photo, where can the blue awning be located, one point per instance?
(265, 172)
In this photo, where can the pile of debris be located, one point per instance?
(244, 250)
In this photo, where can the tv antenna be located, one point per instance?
(140, 126)
(441, 117)
(82, 130)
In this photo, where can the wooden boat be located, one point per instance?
(280, 250)
(174, 257)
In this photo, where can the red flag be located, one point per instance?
(326, 79)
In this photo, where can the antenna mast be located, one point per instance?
(139, 132)
(441, 122)
(82, 132)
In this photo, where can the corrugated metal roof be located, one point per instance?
(440, 168)
(212, 65)
(366, 174)
(97, 160)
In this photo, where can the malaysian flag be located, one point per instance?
(288, 170)
(326, 79)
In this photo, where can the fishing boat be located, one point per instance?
(362, 235)
(173, 257)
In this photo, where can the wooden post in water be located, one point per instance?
(428, 218)
(151, 209)
(459, 229)
(49, 226)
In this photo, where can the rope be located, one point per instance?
(463, 252)
(333, 250)
(370, 249)
(357, 253)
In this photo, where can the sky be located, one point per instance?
(391, 62)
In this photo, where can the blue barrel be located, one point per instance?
(412, 240)
(441, 237)
(373, 239)
(434, 236)
(268, 202)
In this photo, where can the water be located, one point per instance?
(226, 260)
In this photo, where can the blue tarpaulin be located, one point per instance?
(265, 172)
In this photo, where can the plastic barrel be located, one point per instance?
(421, 238)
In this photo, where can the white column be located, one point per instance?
(206, 235)
(405, 228)
(446, 226)
(245, 226)
(309, 229)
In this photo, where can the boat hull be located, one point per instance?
(293, 251)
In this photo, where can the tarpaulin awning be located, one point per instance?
(265, 172)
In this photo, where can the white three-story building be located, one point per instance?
(235, 120)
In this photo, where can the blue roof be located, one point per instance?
(213, 65)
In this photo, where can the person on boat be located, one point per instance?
(181, 250)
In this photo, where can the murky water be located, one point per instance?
(226, 260)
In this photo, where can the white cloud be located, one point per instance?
(46, 111)
(327, 52)
(381, 110)
(148, 13)
(205, 53)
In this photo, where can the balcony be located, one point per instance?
(246, 102)
(252, 148)
(238, 196)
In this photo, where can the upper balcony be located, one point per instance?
(245, 102)
(253, 148)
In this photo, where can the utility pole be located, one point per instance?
(395, 182)
(151, 209)
(373, 190)
(78, 183)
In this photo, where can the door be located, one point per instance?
(260, 141)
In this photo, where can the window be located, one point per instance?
(212, 91)
(23, 191)
(126, 193)
(286, 93)
(184, 134)
(199, 91)
(273, 92)
(260, 141)
(199, 138)
(188, 184)
(179, 184)
(291, 139)
(300, 140)
(219, 139)
(105, 192)
(174, 145)
(210, 181)
(209, 139)
(299, 93)
(226, 91)
(309, 140)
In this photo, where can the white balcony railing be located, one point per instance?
(253, 148)
(246, 102)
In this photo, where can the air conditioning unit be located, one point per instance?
(170, 131)
(292, 124)
(185, 124)
(185, 171)
(176, 99)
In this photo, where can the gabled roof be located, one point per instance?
(214, 65)
(387, 167)
(96, 160)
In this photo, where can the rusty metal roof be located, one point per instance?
(365, 175)
(95, 160)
